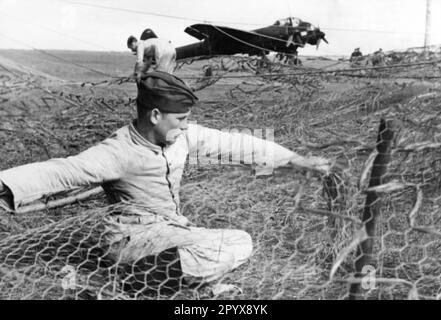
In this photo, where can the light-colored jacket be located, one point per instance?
(130, 168)
(162, 50)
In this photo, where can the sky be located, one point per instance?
(86, 25)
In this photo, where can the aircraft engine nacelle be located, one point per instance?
(314, 37)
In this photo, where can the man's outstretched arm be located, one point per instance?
(24, 184)
(143, 60)
(235, 148)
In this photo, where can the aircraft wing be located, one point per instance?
(229, 37)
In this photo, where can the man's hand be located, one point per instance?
(138, 77)
(182, 220)
(132, 76)
(319, 164)
(137, 73)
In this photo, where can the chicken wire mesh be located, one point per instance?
(307, 230)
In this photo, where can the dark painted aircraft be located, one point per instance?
(284, 36)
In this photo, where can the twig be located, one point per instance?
(60, 202)
(327, 213)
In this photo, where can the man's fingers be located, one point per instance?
(339, 165)
(320, 164)
(312, 163)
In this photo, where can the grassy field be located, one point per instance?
(298, 235)
(113, 63)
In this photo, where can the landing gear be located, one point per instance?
(290, 59)
(263, 62)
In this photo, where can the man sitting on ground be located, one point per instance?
(143, 163)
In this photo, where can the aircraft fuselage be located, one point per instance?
(219, 40)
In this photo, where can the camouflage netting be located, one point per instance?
(407, 57)
(306, 228)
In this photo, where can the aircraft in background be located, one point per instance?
(284, 36)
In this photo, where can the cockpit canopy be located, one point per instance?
(293, 22)
(288, 22)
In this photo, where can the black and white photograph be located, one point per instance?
(236, 152)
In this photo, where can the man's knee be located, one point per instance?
(248, 241)
(243, 248)
(230, 249)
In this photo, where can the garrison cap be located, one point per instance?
(148, 34)
(165, 92)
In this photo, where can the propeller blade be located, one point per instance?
(324, 39)
(318, 43)
(289, 42)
